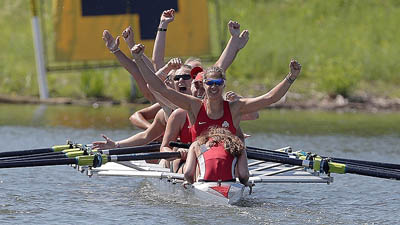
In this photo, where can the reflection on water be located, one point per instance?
(271, 121)
(43, 195)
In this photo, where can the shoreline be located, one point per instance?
(291, 102)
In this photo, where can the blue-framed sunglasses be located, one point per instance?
(183, 76)
(217, 82)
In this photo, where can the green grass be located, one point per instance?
(345, 47)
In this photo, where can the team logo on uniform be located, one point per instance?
(225, 124)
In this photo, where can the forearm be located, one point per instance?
(243, 168)
(229, 54)
(163, 72)
(150, 77)
(278, 91)
(135, 140)
(159, 47)
(133, 69)
(252, 105)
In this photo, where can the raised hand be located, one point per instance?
(111, 44)
(128, 36)
(137, 51)
(104, 144)
(174, 63)
(243, 39)
(167, 17)
(234, 28)
(295, 68)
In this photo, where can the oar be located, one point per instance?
(341, 160)
(41, 155)
(317, 163)
(71, 153)
(323, 165)
(350, 167)
(91, 160)
(56, 148)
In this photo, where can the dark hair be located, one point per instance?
(219, 135)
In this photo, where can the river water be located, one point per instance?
(61, 195)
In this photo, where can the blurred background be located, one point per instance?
(347, 48)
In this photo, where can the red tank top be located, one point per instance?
(203, 122)
(185, 135)
(216, 164)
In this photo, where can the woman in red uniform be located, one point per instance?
(217, 155)
(213, 110)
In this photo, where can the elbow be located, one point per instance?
(134, 119)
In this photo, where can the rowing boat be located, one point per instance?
(265, 166)
(213, 192)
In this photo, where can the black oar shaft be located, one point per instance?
(274, 158)
(25, 152)
(146, 156)
(31, 156)
(373, 173)
(371, 163)
(58, 156)
(131, 150)
(44, 162)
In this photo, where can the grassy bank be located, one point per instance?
(345, 47)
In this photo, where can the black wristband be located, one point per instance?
(161, 29)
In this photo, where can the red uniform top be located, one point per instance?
(185, 135)
(216, 164)
(203, 122)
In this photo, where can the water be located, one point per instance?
(61, 195)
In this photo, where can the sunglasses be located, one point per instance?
(217, 82)
(183, 76)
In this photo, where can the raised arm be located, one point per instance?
(142, 117)
(181, 100)
(128, 36)
(249, 105)
(232, 97)
(159, 44)
(113, 45)
(173, 64)
(236, 42)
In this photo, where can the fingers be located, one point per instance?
(106, 138)
(295, 65)
(244, 34)
(175, 63)
(125, 33)
(117, 41)
(233, 24)
(138, 49)
(107, 36)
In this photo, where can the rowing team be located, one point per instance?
(190, 106)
